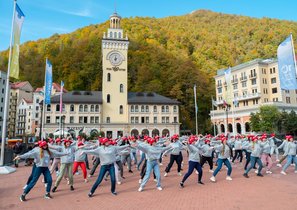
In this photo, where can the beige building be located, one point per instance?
(24, 118)
(253, 84)
(3, 76)
(114, 111)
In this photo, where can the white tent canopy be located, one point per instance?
(57, 133)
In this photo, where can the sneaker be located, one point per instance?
(284, 173)
(77, 173)
(45, 185)
(54, 189)
(229, 178)
(277, 160)
(213, 179)
(114, 193)
(245, 175)
(90, 175)
(160, 164)
(260, 175)
(140, 189)
(86, 181)
(155, 180)
(23, 197)
(279, 165)
(210, 171)
(200, 182)
(68, 182)
(181, 184)
(256, 171)
(130, 171)
(160, 188)
(140, 180)
(25, 187)
(71, 188)
(180, 174)
(295, 172)
(119, 183)
(48, 196)
(268, 172)
(90, 195)
(166, 174)
(196, 172)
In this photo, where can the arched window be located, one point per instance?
(147, 109)
(167, 108)
(121, 109)
(63, 107)
(142, 108)
(120, 35)
(110, 34)
(108, 77)
(81, 108)
(163, 108)
(57, 107)
(97, 108)
(92, 108)
(174, 108)
(136, 108)
(71, 108)
(121, 88)
(115, 35)
(48, 107)
(86, 108)
(155, 109)
(108, 98)
(132, 108)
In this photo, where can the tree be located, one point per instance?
(255, 122)
(265, 120)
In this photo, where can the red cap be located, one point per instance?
(272, 135)
(67, 140)
(58, 140)
(191, 139)
(151, 140)
(103, 140)
(207, 141)
(80, 144)
(42, 143)
(124, 138)
(254, 138)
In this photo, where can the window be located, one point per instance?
(288, 100)
(243, 84)
(255, 101)
(167, 108)
(71, 119)
(48, 119)
(287, 91)
(245, 103)
(254, 81)
(147, 120)
(132, 108)
(86, 108)
(2, 90)
(235, 87)
(57, 107)
(142, 108)
(155, 109)
(107, 119)
(80, 108)
(115, 34)
(142, 119)
(121, 88)
(36, 115)
(97, 108)
(80, 120)
(175, 109)
(220, 90)
(163, 119)
(37, 108)
(120, 35)
(132, 120)
(136, 120)
(37, 100)
(2, 100)
(110, 34)
(92, 120)
(274, 90)
(167, 119)
(85, 119)
(273, 80)
(92, 108)
(71, 108)
(175, 119)
(155, 120)
(108, 77)
(163, 108)
(121, 109)
(273, 69)
(108, 98)
(147, 109)
(96, 120)
(254, 91)
(136, 108)
(3, 81)
(57, 119)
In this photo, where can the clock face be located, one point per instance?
(115, 59)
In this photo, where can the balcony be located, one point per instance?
(234, 81)
(249, 96)
(252, 76)
(219, 84)
(242, 79)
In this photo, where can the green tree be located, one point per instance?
(255, 122)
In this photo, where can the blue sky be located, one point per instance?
(46, 17)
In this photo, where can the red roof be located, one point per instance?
(28, 101)
(56, 86)
(18, 85)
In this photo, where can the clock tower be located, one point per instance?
(115, 73)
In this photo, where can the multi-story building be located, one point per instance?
(114, 111)
(2, 98)
(253, 84)
(24, 118)
(18, 91)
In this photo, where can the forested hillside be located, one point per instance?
(167, 55)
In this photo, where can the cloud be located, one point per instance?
(81, 13)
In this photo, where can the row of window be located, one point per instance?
(164, 109)
(135, 120)
(82, 120)
(82, 108)
(272, 70)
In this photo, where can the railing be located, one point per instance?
(242, 79)
(234, 80)
(252, 76)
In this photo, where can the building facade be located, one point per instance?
(3, 76)
(253, 84)
(24, 118)
(114, 111)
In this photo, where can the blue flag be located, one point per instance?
(286, 65)
(48, 82)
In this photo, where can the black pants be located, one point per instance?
(96, 164)
(237, 152)
(87, 162)
(120, 165)
(208, 159)
(177, 159)
(143, 170)
(192, 166)
(231, 151)
(248, 159)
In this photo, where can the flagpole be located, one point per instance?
(294, 53)
(214, 124)
(43, 110)
(233, 120)
(196, 110)
(60, 121)
(7, 92)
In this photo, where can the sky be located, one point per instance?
(44, 18)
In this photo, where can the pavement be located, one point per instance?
(273, 191)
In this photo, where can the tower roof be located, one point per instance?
(115, 15)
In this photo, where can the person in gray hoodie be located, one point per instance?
(42, 156)
(283, 146)
(290, 154)
(207, 155)
(238, 149)
(194, 161)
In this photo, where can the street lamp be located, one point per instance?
(63, 125)
(227, 107)
(40, 125)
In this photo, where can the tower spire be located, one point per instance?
(115, 6)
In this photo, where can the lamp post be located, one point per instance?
(40, 125)
(227, 108)
(63, 125)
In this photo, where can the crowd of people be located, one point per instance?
(65, 156)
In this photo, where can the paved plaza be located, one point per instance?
(273, 191)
